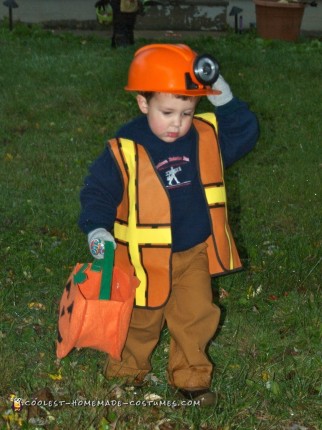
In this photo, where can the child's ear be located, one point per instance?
(142, 103)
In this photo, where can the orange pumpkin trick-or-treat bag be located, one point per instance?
(96, 307)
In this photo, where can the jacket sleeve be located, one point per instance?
(238, 130)
(101, 194)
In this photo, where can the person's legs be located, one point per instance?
(130, 19)
(143, 335)
(123, 26)
(119, 26)
(192, 320)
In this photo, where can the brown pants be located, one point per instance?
(192, 320)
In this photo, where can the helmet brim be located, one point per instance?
(190, 93)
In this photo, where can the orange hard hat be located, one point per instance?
(175, 69)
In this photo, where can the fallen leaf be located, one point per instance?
(250, 293)
(104, 425)
(234, 366)
(27, 274)
(117, 392)
(258, 290)
(298, 427)
(56, 377)
(223, 294)
(159, 425)
(12, 419)
(151, 377)
(37, 306)
(8, 157)
(265, 376)
(152, 397)
(275, 388)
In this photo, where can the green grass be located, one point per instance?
(60, 98)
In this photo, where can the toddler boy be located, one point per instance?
(158, 193)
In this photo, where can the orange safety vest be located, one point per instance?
(142, 228)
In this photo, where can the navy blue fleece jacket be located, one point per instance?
(176, 164)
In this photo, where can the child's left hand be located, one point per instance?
(226, 95)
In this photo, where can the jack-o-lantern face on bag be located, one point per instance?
(66, 309)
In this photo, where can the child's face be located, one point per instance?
(169, 117)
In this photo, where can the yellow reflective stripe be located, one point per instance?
(215, 195)
(155, 236)
(210, 117)
(231, 260)
(129, 154)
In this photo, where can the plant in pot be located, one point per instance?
(280, 19)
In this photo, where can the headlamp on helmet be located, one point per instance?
(206, 69)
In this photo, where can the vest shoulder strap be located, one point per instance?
(209, 117)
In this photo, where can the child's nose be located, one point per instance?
(177, 121)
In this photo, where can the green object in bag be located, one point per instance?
(106, 266)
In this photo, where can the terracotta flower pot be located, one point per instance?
(276, 20)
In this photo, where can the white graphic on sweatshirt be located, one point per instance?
(171, 168)
(171, 175)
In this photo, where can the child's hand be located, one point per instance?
(226, 94)
(96, 239)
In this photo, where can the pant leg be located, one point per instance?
(130, 20)
(123, 26)
(192, 319)
(143, 335)
(118, 25)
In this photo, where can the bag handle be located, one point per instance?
(106, 266)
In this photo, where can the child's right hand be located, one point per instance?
(96, 239)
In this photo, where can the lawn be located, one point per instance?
(61, 97)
